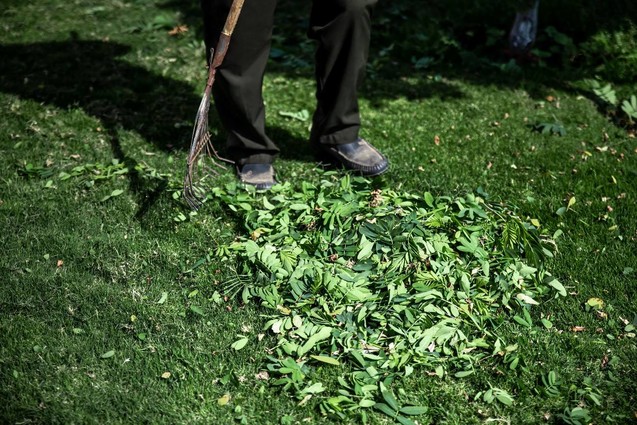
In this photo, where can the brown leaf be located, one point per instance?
(60, 263)
(262, 376)
(179, 29)
(578, 328)
(604, 361)
(437, 140)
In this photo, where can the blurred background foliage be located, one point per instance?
(585, 36)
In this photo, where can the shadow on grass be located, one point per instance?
(88, 74)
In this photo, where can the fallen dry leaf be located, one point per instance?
(305, 400)
(437, 140)
(578, 328)
(262, 376)
(601, 315)
(60, 263)
(179, 29)
(165, 375)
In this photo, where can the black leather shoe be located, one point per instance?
(261, 176)
(357, 156)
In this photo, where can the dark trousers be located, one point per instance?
(341, 29)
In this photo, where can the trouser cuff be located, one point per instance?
(257, 158)
(340, 137)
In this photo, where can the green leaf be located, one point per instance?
(365, 403)
(514, 363)
(440, 371)
(302, 115)
(463, 373)
(526, 299)
(405, 421)
(322, 334)
(240, 343)
(386, 409)
(414, 410)
(267, 204)
(522, 322)
(326, 359)
(429, 199)
(365, 248)
(164, 297)
(504, 397)
(388, 396)
(299, 207)
(597, 303)
(558, 286)
(196, 310)
(108, 354)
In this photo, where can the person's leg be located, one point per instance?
(238, 87)
(342, 30)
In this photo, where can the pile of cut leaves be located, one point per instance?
(382, 283)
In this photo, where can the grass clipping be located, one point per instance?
(383, 281)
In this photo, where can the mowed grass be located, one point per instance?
(98, 297)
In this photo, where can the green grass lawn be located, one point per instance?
(107, 314)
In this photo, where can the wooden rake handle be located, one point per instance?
(233, 16)
(226, 33)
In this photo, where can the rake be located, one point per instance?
(200, 142)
